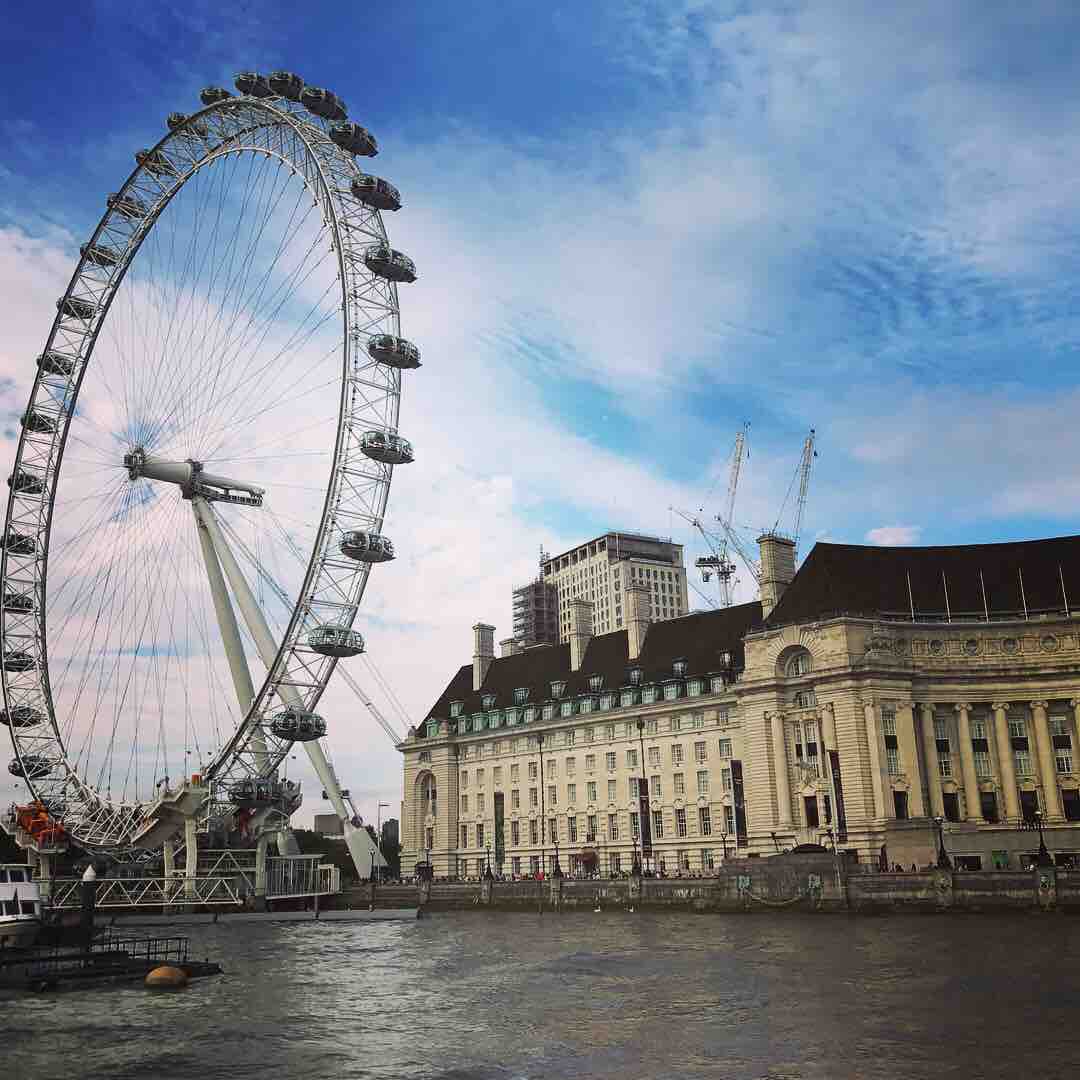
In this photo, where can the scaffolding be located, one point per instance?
(536, 614)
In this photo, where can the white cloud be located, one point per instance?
(894, 535)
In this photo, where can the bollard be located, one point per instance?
(88, 890)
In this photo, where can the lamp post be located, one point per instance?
(487, 871)
(557, 871)
(1044, 855)
(543, 808)
(723, 839)
(635, 866)
(943, 860)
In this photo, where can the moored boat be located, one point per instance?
(20, 907)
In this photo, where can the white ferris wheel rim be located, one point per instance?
(357, 488)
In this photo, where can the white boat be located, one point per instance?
(20, 907)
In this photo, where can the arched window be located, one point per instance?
(798, 663)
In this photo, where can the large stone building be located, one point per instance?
(602, 570)
(865, 696)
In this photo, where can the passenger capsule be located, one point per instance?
(390, 264)
(20, 603)
(21, 716)
(184, 125)
(156, 162)
(366, 547)
(393, 351)
(54, 363)
(99, 255)
(286, 84)
(253, 84)
(297, 726)
(38, 422)
(389, 449)
(211, 95)
(330, 640)
(127, 205)
(252, 793)
(25, 483)
(354, 139)
(76, 307)
(31, 767)
(324, 103)
(19, 543)
(19, 661)
(375, 192)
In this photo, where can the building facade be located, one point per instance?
(536, 614)
(602, 570)
(866, 696)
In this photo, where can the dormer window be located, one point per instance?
(530, 714)
(635, 676)
(521, 695)
(679, 667)
(626, 698)
(455, 709)
(488, 700)
(596, 682)
(648, 695)
(716, 684)
(693, 687)
(557, 688)
(607, 701)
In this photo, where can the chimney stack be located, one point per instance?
(777, 568)
(509, 647)
(638, 617)
(483, 653)
(581, 630)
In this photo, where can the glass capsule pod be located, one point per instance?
(26, 483)
(76, 307)
(330, 640)
(389, 263)
(18, 602)
(38, 422)
(286, 84)
(14, 660)
(156, 162)
(178, 121)
(253, 84)
(324, 103)
(55, 363)
(22, 716)
(389, 449)
(211, 95)
(99, 255)
(252, 793)
(366, 546)
(376, 192)
(354, 139)
(19, 543)
(393, 351)
(32, 767)
(297, 725)
(127, 205)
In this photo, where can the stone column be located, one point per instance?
(1006, 766)
(1047, 766)
(909, 751)
(881, 807)
(972, 799)
(933, 773)
(780, 763)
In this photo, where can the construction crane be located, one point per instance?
(716, 562)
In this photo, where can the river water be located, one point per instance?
(582, 996)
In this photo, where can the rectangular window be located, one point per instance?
(532, 770)
(982, 764)
(547, 712)
(675, 723)
(1058, 725)
(978, 728)
(571, 793)
(480, 776)
(566, 708)
(892, 758)
(609, 761)
(631, 759)
(571, 824)
(724, 746)
(480, 803)
(650, 727)
(704, 821)
(497, 777)
(612, 790)
(707, 862)
(613, 826)
(534, 797)
(671, 691)
(534, 832)
(515, 833)
(609, 732)
(944, 764)
(479, 835)
(654, 786)
(515, 799)
(515, 771)
(703, 782)
(552, 767)
(464, 835)
(464, 804)
(534, 865)
(697, 720)
(553, 830)
(1023, 762)
(1017, 727)
(1064, 761)
(590, 829)
(590, 762)
(515, 866)
(635, 826)
(729, 820)
(648, 695)
(680, 821)
(590, 735)
(680, 784)
(553, 795)
(676, 754)
(725, 780)
(941, 728)
(465, 779)
(700, 755)
(654, 756)
(888, 719)
(571, 766)
(590, 791)
(811, 811)
(657, 825)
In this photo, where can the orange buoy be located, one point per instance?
(166, 977)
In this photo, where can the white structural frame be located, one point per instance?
(356, 493)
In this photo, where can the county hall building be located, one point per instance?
(863, 698)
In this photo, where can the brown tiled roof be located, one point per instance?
(873, 581)
(699, 639)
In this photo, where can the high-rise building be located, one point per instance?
(536, 614)
(389, 833)
(603, 569)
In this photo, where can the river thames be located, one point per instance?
(503, 996)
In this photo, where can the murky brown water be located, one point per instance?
(587, 996)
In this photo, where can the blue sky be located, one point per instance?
(638, 225)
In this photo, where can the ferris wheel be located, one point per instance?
(220, 390)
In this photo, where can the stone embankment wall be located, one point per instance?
(782, 883)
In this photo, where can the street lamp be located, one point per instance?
(557, 871)
(943, 860)
(723, 839)
(487, 872)
(1044, 855)
(543, 808)
(635, 866)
